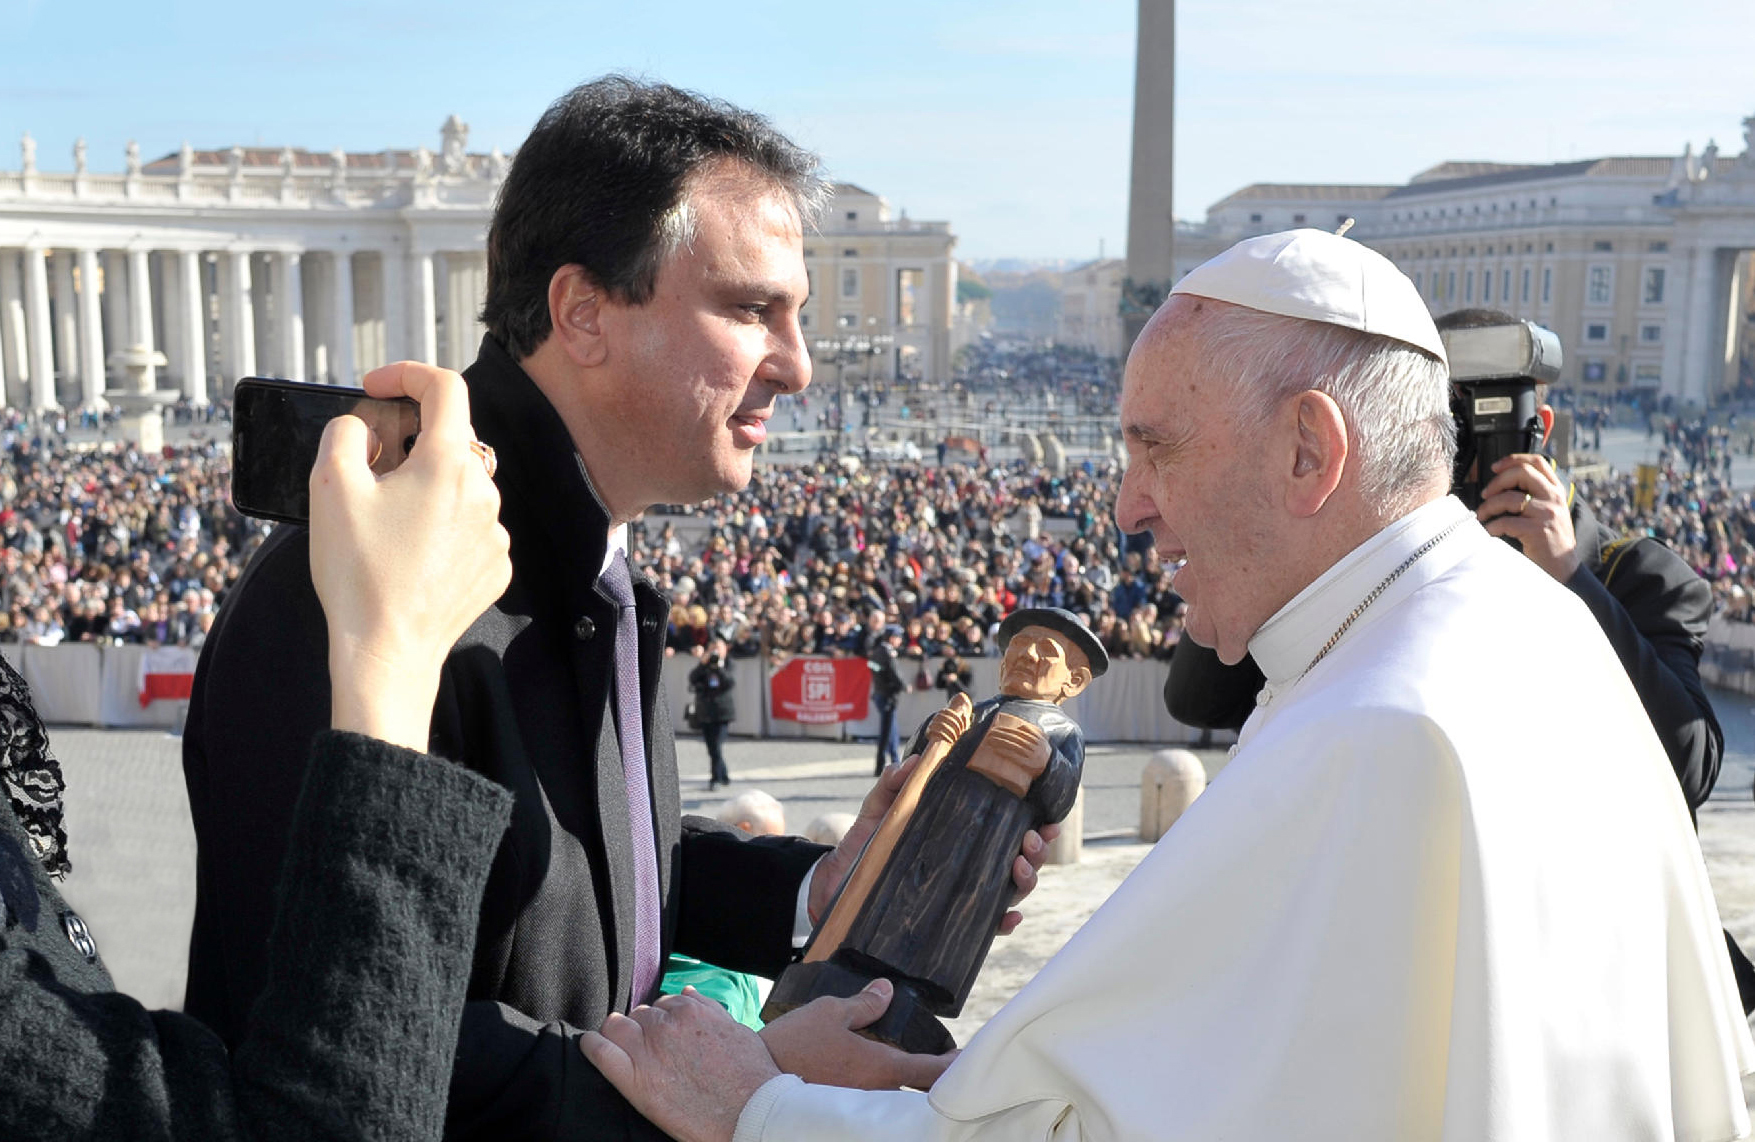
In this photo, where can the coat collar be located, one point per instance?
(541, 476)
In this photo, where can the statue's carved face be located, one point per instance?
(1041, 664)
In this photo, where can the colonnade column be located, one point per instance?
(140, 309)
(14, 362)
(240, 313)
(398, 345)
(290, 290)
(191, 318)
(66, 323)
(36, 319)
(341, 363)
(423, 313)
(91, 333)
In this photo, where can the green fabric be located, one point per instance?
(733, 990)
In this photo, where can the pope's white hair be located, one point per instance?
(1395, 398)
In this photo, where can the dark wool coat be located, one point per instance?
(525, 700)
(364, 977)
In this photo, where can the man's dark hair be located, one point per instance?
(1476, 318)
(602, 182)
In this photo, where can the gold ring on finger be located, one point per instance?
(492, 462)
(1520, 507)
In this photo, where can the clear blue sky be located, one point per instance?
(1011, 120)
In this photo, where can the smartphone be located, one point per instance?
(276, 429)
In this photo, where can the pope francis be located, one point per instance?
(1415, 905)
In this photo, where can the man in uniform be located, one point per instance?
(1411, 906)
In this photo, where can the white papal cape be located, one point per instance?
(1446, 889)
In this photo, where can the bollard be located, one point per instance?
(1069, 847)
(1172, 779)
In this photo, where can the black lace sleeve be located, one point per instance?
(31, 773)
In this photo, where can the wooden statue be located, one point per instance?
(924, 902)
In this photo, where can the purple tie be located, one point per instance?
(619, 584)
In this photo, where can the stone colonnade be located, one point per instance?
(217, 315)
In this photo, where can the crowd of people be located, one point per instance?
(104, 543)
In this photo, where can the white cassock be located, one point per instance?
(1446, 889)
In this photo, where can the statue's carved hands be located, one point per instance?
(1012, 754)
(952, 722)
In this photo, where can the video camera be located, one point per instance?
(1494, 371)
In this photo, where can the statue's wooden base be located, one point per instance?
(906, 1023)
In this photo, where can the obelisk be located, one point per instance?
(1150, 225)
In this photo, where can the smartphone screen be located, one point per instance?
(277, 426)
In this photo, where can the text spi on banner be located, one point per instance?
(820, 691)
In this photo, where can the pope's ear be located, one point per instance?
(1075, 685)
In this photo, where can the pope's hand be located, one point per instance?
(1526, 501)
(683, 1063)
(820, 1043)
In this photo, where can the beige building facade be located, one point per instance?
(1090, 307)
(1641, 265)
(883, 283)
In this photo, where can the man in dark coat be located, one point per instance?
(645, 276)
(887, 688)
(715, 708)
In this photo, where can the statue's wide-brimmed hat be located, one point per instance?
(1061, 622)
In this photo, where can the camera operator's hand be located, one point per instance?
(403, 562)
(1526, 501)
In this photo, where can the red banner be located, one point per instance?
(819, 691)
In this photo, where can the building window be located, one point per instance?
(1657, 247)
(853, 216)
(1504, 285)
(809, 253)
(1486, 286)
(850, 253)
(1595, 372)
(804, 321)
(1601, 247)
(1596, 331)
(1653, 294)
(1468, 285)
(1648, 376)
(1651, 334)
(1524, 296)
(849, 283)
(1297, 219)
(1528, 247)
(1255, 218)
(1547, 284)
(1489, 251)
(848, 321)
(1419, 282)
(1601, 287)
(1548, 249)
(1450, 285)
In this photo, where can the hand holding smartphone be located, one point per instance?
(277, 427)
